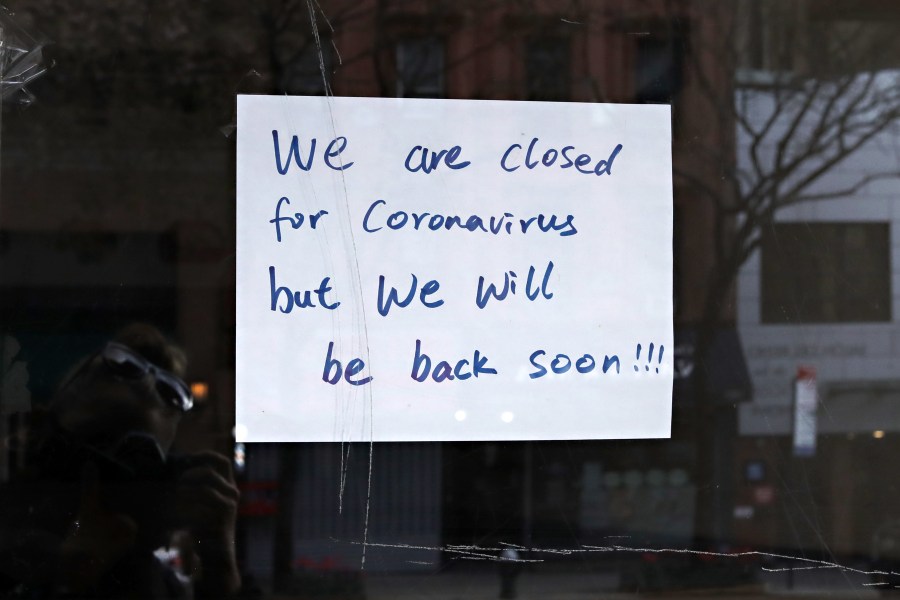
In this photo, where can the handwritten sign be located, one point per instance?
(452, 270)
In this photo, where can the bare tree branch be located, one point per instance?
(844, 192)
(813, 109)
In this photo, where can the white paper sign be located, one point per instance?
(452, 270)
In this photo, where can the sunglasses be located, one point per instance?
(125, 363)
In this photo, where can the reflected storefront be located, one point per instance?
(118, 204)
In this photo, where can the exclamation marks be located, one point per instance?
(659, 358)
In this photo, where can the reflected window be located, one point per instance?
(309, 73)
(547, 69)
(826, 273)
(658, 69)
(769, 36)
(420, 68)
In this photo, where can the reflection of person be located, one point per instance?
(102, 491)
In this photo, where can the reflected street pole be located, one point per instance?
(527, 496)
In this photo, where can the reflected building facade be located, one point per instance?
(819, 294)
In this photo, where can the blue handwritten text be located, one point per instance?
(483, 295)
(562, 363)
(511, 160)
(299, 299)
(443, 371)
(393, 296)
(427, 165)
(332, 371)
(296, 222)
(333, 150)
(425, 221)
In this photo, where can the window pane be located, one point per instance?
(826, 273)
(124, 196)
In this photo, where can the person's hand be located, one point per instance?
(206, 496)
(206, 501)
(97, 539)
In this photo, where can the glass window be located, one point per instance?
(127, 466)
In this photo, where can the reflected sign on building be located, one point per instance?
(806, 401)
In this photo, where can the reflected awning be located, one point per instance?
(728, 379)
